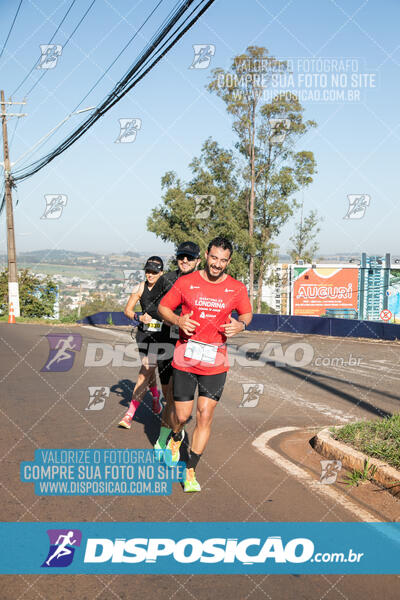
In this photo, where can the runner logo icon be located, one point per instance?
(62, 547)
(128, 130)
(55, 204)
(50, 54)
(62, 351)
(251, 394)
(202, 55)
(329, 470)
(97, 397)
(132, 278)
(358, 204)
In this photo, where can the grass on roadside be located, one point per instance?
(379, 439)
(361, 476)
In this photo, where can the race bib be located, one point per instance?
(174, 332)
(153, 326)
(201, 351)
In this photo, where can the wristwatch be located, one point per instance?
(244, 325)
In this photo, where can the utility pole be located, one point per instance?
(13, 292)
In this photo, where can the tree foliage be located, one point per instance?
(256, 182)
(304, 245)
(36, 296)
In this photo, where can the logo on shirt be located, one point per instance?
(194, 287)
(226, 290)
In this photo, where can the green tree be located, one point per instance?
(180, 218)
(267, 136)
(36, 296)
(304, 244)
(255, 184)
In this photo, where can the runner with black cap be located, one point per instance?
(149, 332)
(188, 260)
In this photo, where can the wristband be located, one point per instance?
(244, 325)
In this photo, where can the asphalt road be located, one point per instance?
(277, 381)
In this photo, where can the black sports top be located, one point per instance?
(150, 299)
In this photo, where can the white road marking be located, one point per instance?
(261, 443)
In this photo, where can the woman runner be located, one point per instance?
(149, 332)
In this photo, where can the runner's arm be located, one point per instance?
(168, 315)
(243, 308)
(133, 298)
(245, 318)
(236, 326)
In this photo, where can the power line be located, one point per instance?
(11, 28)
(119, 55)
(125, 85)
(52, 38)
(64, 45)
(110, 66)
(45, 71)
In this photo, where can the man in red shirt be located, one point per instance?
(208, 298)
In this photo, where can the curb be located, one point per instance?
(388, 477)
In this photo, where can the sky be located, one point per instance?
(110, 188)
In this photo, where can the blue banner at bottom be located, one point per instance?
(213, 548)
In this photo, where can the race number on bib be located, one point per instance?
(201, 351)
(154, 325)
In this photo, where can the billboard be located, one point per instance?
(393, 293)
(317, 289)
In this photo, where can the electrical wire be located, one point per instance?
(118, 56)
(125, 85)
(45, 71)
(64, 46)
(11, 28)
(110, 66)
(52, 38)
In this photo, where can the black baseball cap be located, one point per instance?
(155, 264)
(189, 248)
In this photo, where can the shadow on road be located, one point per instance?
(144, 414)
(311, 377)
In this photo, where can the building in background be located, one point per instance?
(373, 283)
(276, 292)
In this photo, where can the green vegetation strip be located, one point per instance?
(378, 439)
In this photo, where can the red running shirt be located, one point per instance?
(212, 305)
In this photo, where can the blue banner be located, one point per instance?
(213, 548)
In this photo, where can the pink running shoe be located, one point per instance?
(126, 422)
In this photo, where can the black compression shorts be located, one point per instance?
(164, 370)
(147, 342)
(185, 385)
(160, 345)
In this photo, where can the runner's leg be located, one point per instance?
(146, 371)
(204, 417)
(210, 391)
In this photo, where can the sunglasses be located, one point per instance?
(182, 256)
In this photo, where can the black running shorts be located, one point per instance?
(185, 385)
(147, 342)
